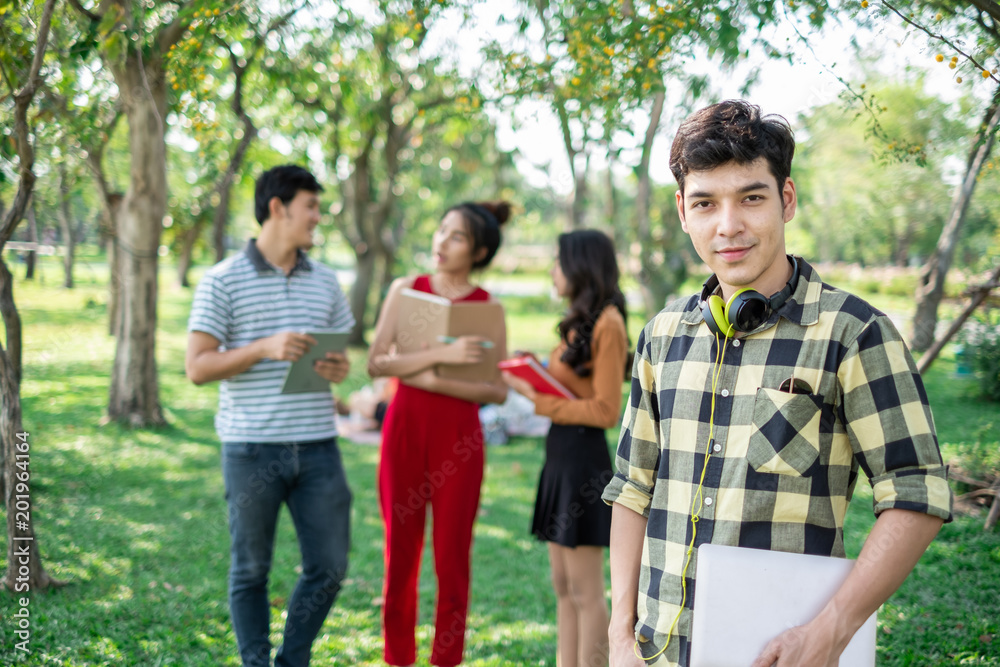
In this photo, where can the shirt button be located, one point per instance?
(708, 501)
(736, 342)
(717, 448)
(725, 392)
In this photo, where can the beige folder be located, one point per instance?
(425, 320)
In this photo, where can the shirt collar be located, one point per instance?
(263, 266)
(802, 307)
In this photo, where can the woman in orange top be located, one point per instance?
(590, 361)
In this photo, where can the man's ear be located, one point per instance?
(789, 200)
(275, 208)
(679, 199)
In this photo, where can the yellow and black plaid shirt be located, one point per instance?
(782, 466)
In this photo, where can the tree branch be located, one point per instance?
(945, 40)
(86, 12)
(989, 7)
(25, 152)
(172, 33)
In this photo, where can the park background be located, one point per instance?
(130, 139)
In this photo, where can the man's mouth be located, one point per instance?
(734, 254)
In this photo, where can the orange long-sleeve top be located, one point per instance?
(599, 395)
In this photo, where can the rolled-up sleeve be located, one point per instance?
(638, 455)
(890, 425)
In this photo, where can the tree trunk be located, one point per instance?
(25, 571)
(110, 208)
(932, 279)
(32, 256)
(66, 227)
(113, 255)
(653, 294)
(387, 239)
(134, 391)
(188, 242)
(363, 279)
(225, 186)
(220, 218)
(978, 297)
(364, 247)
(611, 205)
(578, 209)
(24, 565)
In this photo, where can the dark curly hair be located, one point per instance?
(587, 260)
(732, 131)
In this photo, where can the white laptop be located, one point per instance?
(744, 598)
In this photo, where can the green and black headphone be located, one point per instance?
(746, 310)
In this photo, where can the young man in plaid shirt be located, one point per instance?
(787, 392)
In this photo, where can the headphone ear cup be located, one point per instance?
(714, 312)
(747, 309)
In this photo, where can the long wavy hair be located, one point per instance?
(587, 260)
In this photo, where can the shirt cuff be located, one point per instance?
(626, 493)
(545, 404)
(922, 490)
(211, 330)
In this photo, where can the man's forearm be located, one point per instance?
(891, 551)
(628, 530)
(212, 365)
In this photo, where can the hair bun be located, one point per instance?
(499, 209)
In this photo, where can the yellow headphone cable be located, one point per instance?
(697, 499)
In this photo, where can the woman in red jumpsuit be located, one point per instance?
(432, 442)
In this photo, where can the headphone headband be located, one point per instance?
(777, 300)
(747, 309)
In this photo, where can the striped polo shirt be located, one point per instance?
(244, 298)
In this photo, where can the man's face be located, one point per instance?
(735, 215)
(298, 218)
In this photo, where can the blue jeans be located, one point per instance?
(309, 477)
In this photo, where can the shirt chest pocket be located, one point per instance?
(784, 438)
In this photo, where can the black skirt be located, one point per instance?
(569, 510)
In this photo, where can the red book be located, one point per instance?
(528, 368)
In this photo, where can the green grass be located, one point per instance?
(135, 522)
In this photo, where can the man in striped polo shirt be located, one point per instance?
(248, 322)
(752, 413)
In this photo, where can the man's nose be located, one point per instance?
(730, 220)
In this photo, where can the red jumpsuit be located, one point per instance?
(432, 453)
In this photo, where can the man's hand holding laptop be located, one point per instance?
(892, 549)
